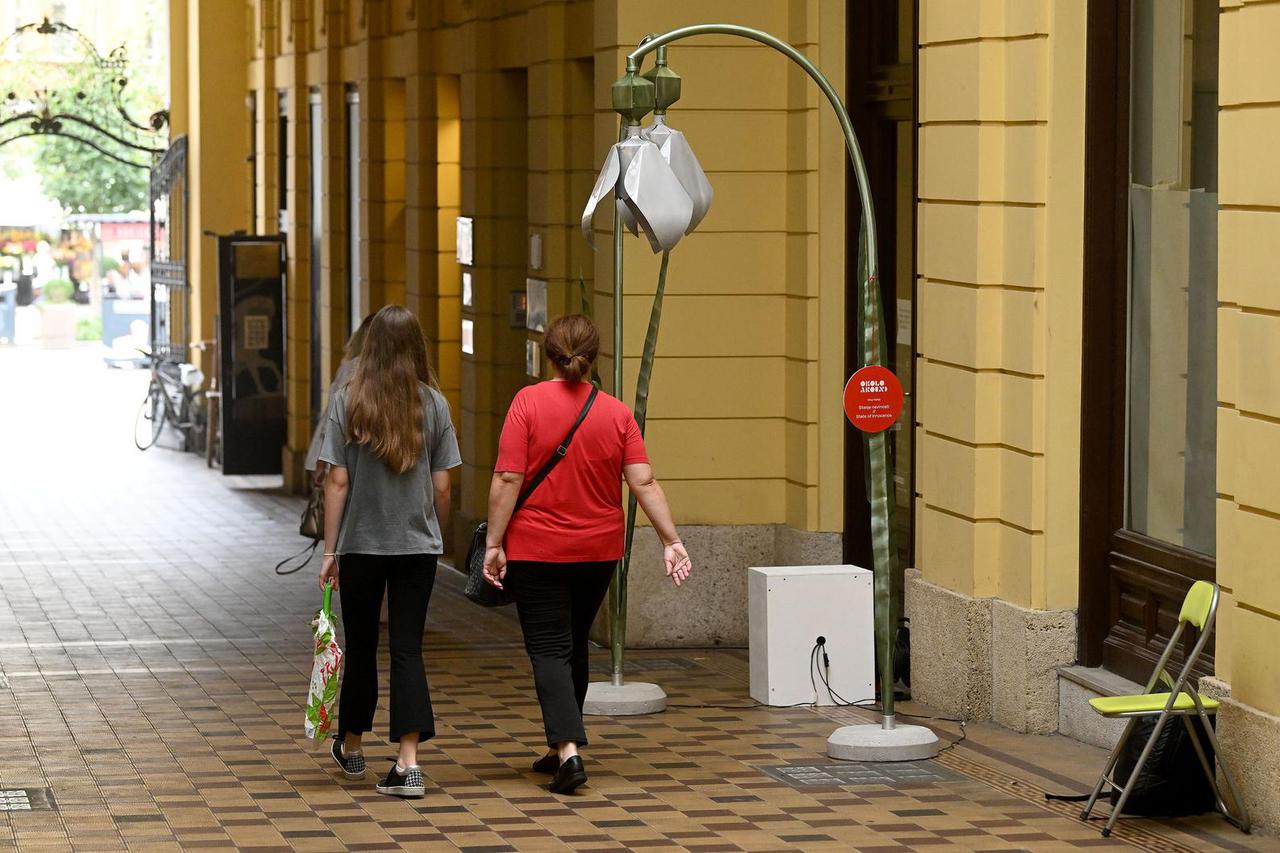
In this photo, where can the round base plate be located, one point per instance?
(605, 699)
(876, 743)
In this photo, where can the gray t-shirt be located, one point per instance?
(389, 513)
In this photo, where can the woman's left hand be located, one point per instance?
(329, 572)
(678, 563)
(495, 565)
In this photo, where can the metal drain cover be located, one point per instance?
(25, 799)
(856, 774)
(643, 664)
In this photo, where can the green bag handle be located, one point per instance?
(327, 607)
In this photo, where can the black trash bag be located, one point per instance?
(1172, 782)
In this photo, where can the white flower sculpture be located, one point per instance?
(658, 183)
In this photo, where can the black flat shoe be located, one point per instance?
(547, 764)
(569, 777)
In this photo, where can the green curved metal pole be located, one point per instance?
(617, 595)
(879, 465)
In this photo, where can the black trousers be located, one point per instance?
(407, 579)
(557, 603)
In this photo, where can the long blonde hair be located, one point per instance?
(384, 411)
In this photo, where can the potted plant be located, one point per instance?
(57, 314)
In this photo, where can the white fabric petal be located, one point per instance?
(605, 184)
(654, 194)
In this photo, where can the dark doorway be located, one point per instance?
(1149, 397)
(881, 99)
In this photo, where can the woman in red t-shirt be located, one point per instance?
(559, 551)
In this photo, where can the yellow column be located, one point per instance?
(218, 145)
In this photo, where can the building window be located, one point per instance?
(253, 160)
(355, 294)
(1170, 488)
(1149, 390)
(315, 169)
(282, 159)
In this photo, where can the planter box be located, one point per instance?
(58, 326)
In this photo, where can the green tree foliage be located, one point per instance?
(75, 174)
(83, 180)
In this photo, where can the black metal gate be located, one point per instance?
(170, 315)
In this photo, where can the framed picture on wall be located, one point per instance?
(519, 308)
(536, 307)
(533, 359)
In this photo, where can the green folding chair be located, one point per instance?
(1198, 609)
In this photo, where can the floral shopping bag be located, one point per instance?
(322, 698)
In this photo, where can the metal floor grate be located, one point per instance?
(26, 799)
(647, 664)
(856, 774)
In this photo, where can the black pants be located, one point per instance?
(408, 580)
(557, 603)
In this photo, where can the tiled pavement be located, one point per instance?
(154, 667)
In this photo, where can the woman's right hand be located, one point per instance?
(677, 561)
(495, 565)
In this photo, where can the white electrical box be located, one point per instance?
(789, 608)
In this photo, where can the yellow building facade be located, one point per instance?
(1049, 515)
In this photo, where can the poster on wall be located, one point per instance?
(465, 243)
(468, 337)
(536, 305)
(535, 251)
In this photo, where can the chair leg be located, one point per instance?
(1118, 808)
(1241, 818)
(1206, 766)
(1112, 760)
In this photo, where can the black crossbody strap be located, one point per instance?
(560, 452)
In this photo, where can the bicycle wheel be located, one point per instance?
(150, 420)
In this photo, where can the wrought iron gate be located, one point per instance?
(169, 283)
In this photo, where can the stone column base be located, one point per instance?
(1250, 747)
(987, 659)
(950, 649)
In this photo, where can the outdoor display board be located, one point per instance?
(251, 286)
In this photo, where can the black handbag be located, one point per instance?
(477, 588)
(311, 526)
(1172, 783)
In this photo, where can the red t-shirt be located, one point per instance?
(576, 514)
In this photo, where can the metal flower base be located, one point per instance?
(632, 699)
(874, 742)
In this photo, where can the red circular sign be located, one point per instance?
(873, 399)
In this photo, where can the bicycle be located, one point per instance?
(172, 398)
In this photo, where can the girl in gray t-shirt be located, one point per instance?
(389, 443)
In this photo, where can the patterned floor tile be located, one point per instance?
(153, 670)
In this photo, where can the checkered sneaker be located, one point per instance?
(403, 783)
(352, 763)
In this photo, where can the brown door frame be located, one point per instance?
(1115, 562)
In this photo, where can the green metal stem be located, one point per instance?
(875, 446)
(617, 594)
